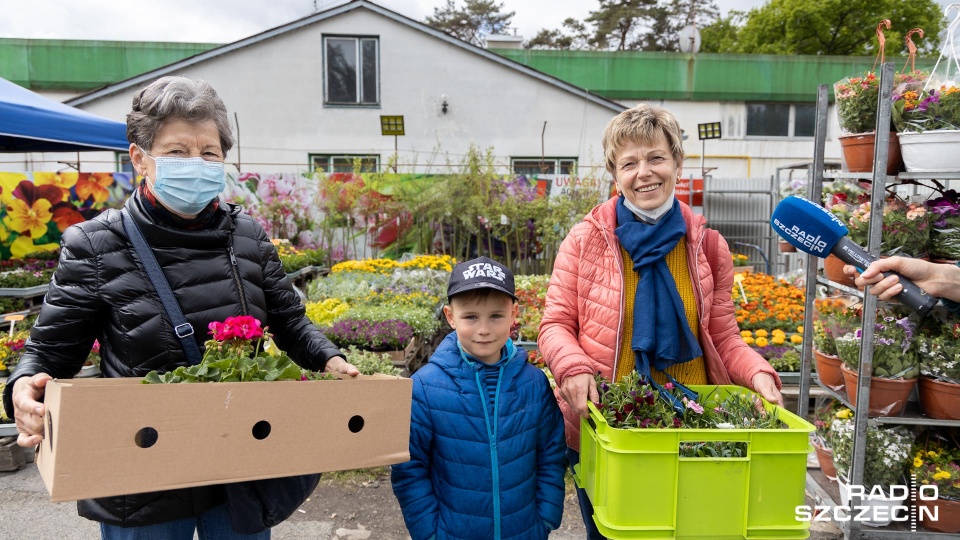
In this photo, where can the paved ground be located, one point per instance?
(356, 506)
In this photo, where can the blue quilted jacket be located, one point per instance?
(476, 476)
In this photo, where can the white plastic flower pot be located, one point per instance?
(931, 151)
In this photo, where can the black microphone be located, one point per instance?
(815, 230)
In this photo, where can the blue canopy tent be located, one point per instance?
(30, 122)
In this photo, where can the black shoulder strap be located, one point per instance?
(181, 327)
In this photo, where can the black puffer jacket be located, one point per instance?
(100, 290)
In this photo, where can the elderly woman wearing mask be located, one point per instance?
(637, 285)
(219, 263)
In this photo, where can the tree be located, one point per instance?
(574, 36)
(473, 22)
(721, 35)
(836, 27)
(647, 25)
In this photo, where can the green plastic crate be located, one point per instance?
(641, 488)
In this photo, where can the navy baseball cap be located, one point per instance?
(481, 273)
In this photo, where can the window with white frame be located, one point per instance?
(344, 163)
(781, 119)
(351, 70)
(550, 165)
(123, 162)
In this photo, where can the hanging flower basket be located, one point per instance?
(931, 151)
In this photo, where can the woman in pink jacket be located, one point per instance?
(642, 284)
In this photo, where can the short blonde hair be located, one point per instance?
(645, 124)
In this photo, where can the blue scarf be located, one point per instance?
(661, 335)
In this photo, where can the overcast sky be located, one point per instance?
(224, 21)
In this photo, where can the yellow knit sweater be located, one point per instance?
(692, 372)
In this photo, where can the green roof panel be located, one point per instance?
(625, 75)
(53, 64)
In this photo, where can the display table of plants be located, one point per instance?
(770, 315)
(382, 305)
(24, 281)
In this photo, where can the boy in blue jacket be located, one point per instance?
(486, 435)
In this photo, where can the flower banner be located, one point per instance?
(37, 207)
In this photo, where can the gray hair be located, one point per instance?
(176, 97)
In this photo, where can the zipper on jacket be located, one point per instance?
(492, 438)
(618, 257)
(236, 277)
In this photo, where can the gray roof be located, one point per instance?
(149, 76)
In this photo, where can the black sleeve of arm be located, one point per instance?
(286, 316)
(61, 338)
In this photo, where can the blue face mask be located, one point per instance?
(187, 185)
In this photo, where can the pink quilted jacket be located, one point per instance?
(583, 324)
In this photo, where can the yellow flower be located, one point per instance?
(800, 329)
(844, 414)
(30, 220)
(748, 340)
(932, 454)
(64, 181)
(942, 475)
(762, 333)
(778, 332)
(746, 333)
(23, 246)
(917, 462)
(777, 340)
(796, 338)
(762, 342)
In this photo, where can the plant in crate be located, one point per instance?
(945, 230)
(241, 351)
(631, 403)
(936, 464)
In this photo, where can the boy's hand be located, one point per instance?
(576, 390)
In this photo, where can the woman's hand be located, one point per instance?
(337, 364)
(27, 409)
(765, 384)
(576, 390)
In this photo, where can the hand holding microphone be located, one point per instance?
(814, 230)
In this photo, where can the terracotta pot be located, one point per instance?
(828, 370)
(939, 399)
(888, 397)
(825, 458)
(786, 247)
(948, 516)
(833, 270)
(858, 152)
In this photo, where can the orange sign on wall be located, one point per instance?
(683, 191)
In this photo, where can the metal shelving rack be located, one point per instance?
(862, 422)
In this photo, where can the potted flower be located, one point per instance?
(935, 465)
(821, 441)
(896, 365)
(929, 122)
(940, 370)
(885, 461)
(824, 345)
(241, 350)
(945, 226)
(856, 99)
(532, 297)
(906, 227)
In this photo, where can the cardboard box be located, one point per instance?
(107, 437)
